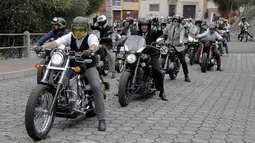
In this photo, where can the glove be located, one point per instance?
(38, 49)
(86, 54)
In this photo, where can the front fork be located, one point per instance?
(136, 69)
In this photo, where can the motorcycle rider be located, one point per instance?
(103, 27)
(80, 41)
(59, 30)
(189, 22)
(175, 34)
(150, 36)
(242, 24)
(129, 28)
(212, 34)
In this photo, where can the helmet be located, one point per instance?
(102, 21)
(144, 21)
(154, 21)
(177, 17)
(79, 26)
(198, 21)
(59, 21)
(130, 19)
(243, 18)
(212, 27)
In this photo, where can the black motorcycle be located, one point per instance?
(169, 61)
(62, 92)
(207, 58)
(120, 53)
(137, 75)
(45, 55)
(192, 46)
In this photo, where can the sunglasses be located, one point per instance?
(175, 21)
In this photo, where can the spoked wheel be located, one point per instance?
(124, 89)
(37, 120)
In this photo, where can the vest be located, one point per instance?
(84, 46)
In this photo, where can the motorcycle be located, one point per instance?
(45, 55)
(120, 53)
(226, 34)
(244, 34)
(192, 46)
(207, 59)
(169, 61)
(103, 67)
(137, 75)
(62, 92)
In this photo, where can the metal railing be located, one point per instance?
(19, 42)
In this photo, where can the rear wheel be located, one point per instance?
(37, 108)
(204, 62)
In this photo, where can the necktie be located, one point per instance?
(174, 32)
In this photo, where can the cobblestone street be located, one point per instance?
(215, 107)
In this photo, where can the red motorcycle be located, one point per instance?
(207, 59)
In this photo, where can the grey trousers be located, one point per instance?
(92, 76)
(111, 58)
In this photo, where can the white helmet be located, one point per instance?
(102, 21)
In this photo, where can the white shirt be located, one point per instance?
(66, 40)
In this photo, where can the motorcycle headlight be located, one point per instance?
(57, 59)
(131, 58)
(163, 50)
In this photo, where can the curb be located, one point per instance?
(16, 74)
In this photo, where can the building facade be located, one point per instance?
(185, 8)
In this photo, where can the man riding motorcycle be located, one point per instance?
(242, 24)
(103, 27)
(175, 34)
(129, 28)
(59, 30)
(80, 41)
(212, 34)
(150, 36)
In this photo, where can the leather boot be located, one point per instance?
(162, 95)
(187, 79)
(102, 125)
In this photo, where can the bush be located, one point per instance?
(232, 20)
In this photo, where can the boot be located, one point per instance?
(187, 79)
(219, 69)
(101, 126)
(162, 95)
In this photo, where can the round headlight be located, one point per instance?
(131, 58)
(163, 50)
(57, 59)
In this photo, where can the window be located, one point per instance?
(154, 7)
(130, 0)
(116, 2)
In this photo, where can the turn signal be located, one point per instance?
(143, 65)
(37, 66)
(120, 61)
(77, 69)
(100, 46)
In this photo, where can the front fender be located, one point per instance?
(46, 83)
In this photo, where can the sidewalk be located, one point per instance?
(14, 68)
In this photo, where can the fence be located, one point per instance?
(17, 45)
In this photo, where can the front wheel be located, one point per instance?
(204, 62)
(37, 120)
(246, 36)
(191, 57)
(124, 91)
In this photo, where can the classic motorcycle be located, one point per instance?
(244, 34)
(45, 55)
(62, 92)
(169, 61)
(137, 75)
(207, 59)
(120, 53)
(192, 46)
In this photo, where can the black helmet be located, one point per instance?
(130, 19)
(155, 21)
(198, 21)
(144, 21)
(243, 18)
(59, 21)
(177, 17)
(79, 24)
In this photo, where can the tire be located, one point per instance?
(241, 37)
(228, 37)
(204, 63)
(162, 63)
(246, 36)
(29, 113)
(41, 70)
(173, 74)
(191, 57)
(119, 67)
(124, 80)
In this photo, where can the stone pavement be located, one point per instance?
(216, 107)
